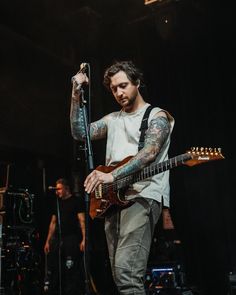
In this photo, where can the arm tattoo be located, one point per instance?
(76, 121)
(156, 136)
(98, 129)
(157, 133)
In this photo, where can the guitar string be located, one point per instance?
(146, 172)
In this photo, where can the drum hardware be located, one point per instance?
(18, 254)
(20, 204)
(25, 204)
(21, 264)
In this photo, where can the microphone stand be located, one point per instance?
(90, 167)
(59, 246)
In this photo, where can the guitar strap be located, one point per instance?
(144, 127)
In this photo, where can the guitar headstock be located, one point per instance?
(203, 155)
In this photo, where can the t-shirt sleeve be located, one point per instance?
(80, 204)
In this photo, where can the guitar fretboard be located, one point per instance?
(149, 171)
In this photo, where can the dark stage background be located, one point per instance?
(187, 54)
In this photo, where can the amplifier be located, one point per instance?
(164, 278)
(161, 277)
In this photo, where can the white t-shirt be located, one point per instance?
(122, 141)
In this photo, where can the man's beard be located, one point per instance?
(129, 103)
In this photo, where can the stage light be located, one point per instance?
(147, 2)
(159, 2)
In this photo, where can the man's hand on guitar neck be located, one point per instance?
(95, 178)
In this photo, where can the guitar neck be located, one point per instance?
(151, 170)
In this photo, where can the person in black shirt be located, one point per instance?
(66, 233)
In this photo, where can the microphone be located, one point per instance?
(83, 68)
(52, 188)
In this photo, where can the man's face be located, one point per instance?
(61, 190)
(123, 90)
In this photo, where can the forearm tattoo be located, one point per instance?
(156, 135)
(76, 121)
(97, 129)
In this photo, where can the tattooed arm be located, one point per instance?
(98, 129)
(156, 135)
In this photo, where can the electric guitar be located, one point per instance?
(110, 195)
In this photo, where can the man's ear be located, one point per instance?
(138, 83)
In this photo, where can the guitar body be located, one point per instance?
(108, 196)
(101, 202)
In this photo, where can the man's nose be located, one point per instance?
(119, 92)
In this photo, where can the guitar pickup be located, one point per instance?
(98, 192)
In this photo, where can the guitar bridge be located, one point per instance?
(104, 204)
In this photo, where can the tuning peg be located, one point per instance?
(206, 151)
(192, 149)
(217, 151)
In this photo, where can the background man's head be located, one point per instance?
(63, 188)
